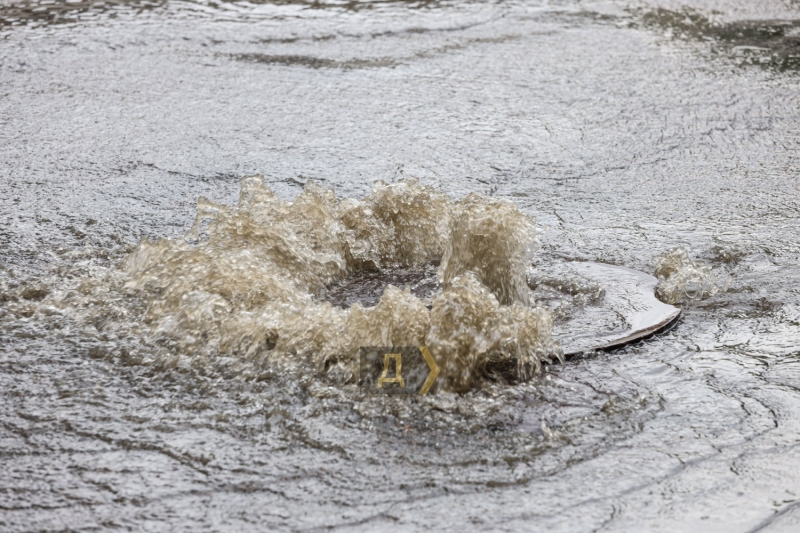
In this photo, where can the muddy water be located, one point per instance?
(625, 128)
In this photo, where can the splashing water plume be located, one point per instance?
(251, 283)
(682, 280)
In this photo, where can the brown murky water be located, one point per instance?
(626, 129)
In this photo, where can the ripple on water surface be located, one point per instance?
(626, 129)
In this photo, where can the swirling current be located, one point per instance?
(207, 208)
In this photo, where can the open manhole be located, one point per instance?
(596, 306)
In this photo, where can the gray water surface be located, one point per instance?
(626, 128)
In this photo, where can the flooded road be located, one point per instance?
(625, 128)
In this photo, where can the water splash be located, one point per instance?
(248, 281)
(682, 280)
(495, 241)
